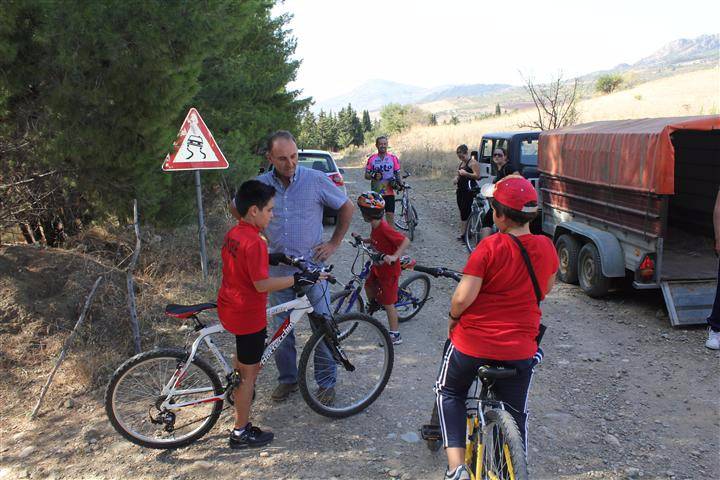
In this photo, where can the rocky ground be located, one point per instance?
(621, 394)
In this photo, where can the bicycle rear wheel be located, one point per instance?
(501, 452)
(339, 303)
(366, 345)
(472, 230)
(134, 395)
(412, 295)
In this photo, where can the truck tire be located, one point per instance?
(590, 275)
(568, 249)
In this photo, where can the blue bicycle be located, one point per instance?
(413, 292)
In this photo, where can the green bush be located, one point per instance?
(608, 83)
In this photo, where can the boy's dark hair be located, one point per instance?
(253, 192)
(462, 149)
(516, 216)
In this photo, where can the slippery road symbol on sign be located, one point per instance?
(195, 148)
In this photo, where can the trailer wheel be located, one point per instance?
(590, 275)
(567, 249)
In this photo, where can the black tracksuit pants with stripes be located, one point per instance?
(457, 373)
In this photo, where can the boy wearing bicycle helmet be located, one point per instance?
(242, 300)
(382, 284)
(494, 316)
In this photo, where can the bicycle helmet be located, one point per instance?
(371, 205)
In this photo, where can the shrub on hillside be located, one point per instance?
(608, 83)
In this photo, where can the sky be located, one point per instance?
(343, 43)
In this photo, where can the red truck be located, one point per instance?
(635, 198)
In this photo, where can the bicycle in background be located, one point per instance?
(413, 292)
(407, 217)
(171, 397)
(473, 228)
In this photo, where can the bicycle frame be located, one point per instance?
(297, 309)
(404, 299)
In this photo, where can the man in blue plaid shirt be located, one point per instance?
(296, 229)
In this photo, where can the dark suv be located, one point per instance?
(521, 147)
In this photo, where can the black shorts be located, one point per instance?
(464, 202)
(389, 203)
(250, 347)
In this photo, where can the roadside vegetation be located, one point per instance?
(92, 95)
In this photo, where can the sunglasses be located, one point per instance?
(498, 154)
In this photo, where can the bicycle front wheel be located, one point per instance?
(134, 397)
(340, 303)
(401, 216)
(334, 389)
(472, 230)
(412, 295)
(501, 452)
(412, 222)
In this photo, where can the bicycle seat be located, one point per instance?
(186, 311)
(494, 373)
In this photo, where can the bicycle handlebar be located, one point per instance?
(439, 272)
(374, 255)
(301, 264)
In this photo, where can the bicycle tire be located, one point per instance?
(421, 281)
(503, 454)
(367, 345)
(411, 222)
(400, 220)
(472, 230)
(336, 304)
(127, 376)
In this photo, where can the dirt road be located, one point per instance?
(621, 394)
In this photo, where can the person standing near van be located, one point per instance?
(466, 180)
(713, 320)
(383, 171)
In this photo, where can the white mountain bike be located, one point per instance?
(170, 397)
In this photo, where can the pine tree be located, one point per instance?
(367, 125)
(497, 110)
(432, 120)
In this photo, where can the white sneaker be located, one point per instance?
(395, 337)
(713, 340)
(460, 473)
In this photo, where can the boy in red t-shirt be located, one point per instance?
(382, 284)
(242, 300)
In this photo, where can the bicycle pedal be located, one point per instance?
(430, 432)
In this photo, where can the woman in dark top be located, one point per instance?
(467, 174)
(504, 168)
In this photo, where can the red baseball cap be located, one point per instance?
(514, 192)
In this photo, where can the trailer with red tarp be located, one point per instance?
(635, 198)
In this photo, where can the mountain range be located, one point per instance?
(703, 51)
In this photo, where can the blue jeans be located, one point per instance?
(286, 355)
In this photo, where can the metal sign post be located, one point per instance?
(196, 149)
(201, 223)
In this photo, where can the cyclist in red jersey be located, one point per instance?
(495, 315)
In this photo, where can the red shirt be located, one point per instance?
(503, 321)
(387, 240)
(241, 307)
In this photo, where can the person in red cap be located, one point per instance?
(494, 316)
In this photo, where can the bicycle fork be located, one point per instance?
(331, 335)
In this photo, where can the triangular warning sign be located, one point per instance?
(195, 148)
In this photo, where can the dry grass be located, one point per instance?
(42, 291)
(431, 150)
